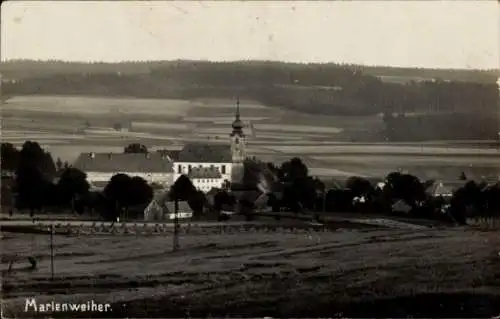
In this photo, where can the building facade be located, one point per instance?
(196, 156)
(208, 165)
(155, 168)
(206, 178)
(226, 159)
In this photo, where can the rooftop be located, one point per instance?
(130, 162)
(205, 172)
(440, 188)
(205, 153)
(172, 154)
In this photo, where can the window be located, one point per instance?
(189, 168)
(223, 169)
(179, 169)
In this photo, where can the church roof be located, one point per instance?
(123, 162)
(172, 154)
(204, 172)
(205, 153)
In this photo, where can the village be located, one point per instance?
(207, 179)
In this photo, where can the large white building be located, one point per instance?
(220, 162)
(207, 165)
(100, 167)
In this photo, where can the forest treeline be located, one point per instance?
(315, 88)
(29, 68)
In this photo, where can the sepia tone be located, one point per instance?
(251, 159)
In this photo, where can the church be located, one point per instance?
(212, 165)
(207, 165)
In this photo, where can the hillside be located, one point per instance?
(313, 88)
(22, 69)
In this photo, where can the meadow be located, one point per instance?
(69, 125)
(371, 272)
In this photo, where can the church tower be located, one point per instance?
(238, 139)
(238, 143)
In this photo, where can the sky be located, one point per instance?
(434, 34)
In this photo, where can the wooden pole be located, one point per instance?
(324, 202)
(176, 225)
(52, 251)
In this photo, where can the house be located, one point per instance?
(227, 159)
(100, 167)
(161, 208)
(400, 206)
(444, 188)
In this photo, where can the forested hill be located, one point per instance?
(321, 88)
(20, 69)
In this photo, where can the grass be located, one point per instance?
(296, 128)
(349, 273)
(156, 125)
(96, 106)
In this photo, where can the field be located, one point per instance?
(68, 125)
(371, 272)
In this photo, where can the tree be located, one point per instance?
(49, 166)
(9, 157)
(404, 187)
(59, 164)
(251, 174)
(136, 148)
(34, 178)
(300, 190)
(32, 189)
(32, 155)
(197, 201)
(125, 191)
(223, 199)
(246, 205)
(71, 184)
(492, 198)
(140, 191)
(294, 169)
(339, 200)
(182, 189)
(117, 192)
(458, 206)
(359, 186)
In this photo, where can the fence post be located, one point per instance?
(176, 225)
(324, 202)
(52, 251)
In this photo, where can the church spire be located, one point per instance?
(238, 108)
(237, 124)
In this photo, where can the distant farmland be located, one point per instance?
(324, 142)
